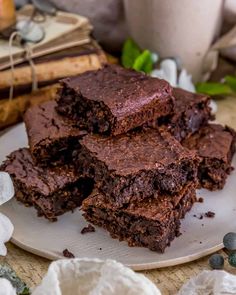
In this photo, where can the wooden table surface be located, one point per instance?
(31, 268)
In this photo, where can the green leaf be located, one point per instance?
(9, 274)
(130, 52)
(144, 62)
(231, 82)
(212, 88)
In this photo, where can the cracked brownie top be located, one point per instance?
(122, 91)
(46, 181)
(147, 149)
(44, 125)
(212, 141)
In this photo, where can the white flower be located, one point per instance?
(168, 71)
(6, 231)
(6, 227)
(185, 81)
(155, 57)
(93, 277)
(6, 287)
(6, 188)
(210, 282)
(213, 106)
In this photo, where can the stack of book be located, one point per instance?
(66, 50)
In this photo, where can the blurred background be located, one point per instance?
(189, 43)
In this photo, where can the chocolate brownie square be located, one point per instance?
(113, 100)
(215, 145)
(151, 223)
(52, 191)
(135, 165)
(191, 111)
(52, 138)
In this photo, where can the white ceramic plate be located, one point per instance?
(199, 238)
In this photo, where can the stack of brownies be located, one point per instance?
(128, 148)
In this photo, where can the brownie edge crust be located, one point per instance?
(152, 223)
(191, 112)
(114, 100)
(215, 146)
(52, 191)
(52, 138)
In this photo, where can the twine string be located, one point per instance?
(32, 67)
(28, 50)
(11, 39)
(12, 79)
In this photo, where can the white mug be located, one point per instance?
(176, 28)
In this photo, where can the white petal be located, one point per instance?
(170, 69)
(3, 249)
(185, 81)
(6, 287)
(210, 282)
(155, 57)
(167, 71)
(158, 74)
(6, 231)
(6, 188)
(93, 277)
(213, 106)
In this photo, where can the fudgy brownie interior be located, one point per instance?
(215, 145)
(134, 166)
(191, 111)
(52, 138)
(52, 191)
(151, 223)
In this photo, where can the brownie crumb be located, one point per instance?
(210, 214)
(178, 234)
(200, 200)
(68, 254)
(198, 216)
(88, 229)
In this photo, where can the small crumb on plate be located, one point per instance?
(88, 229)
(68, 254)
(210, 214)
